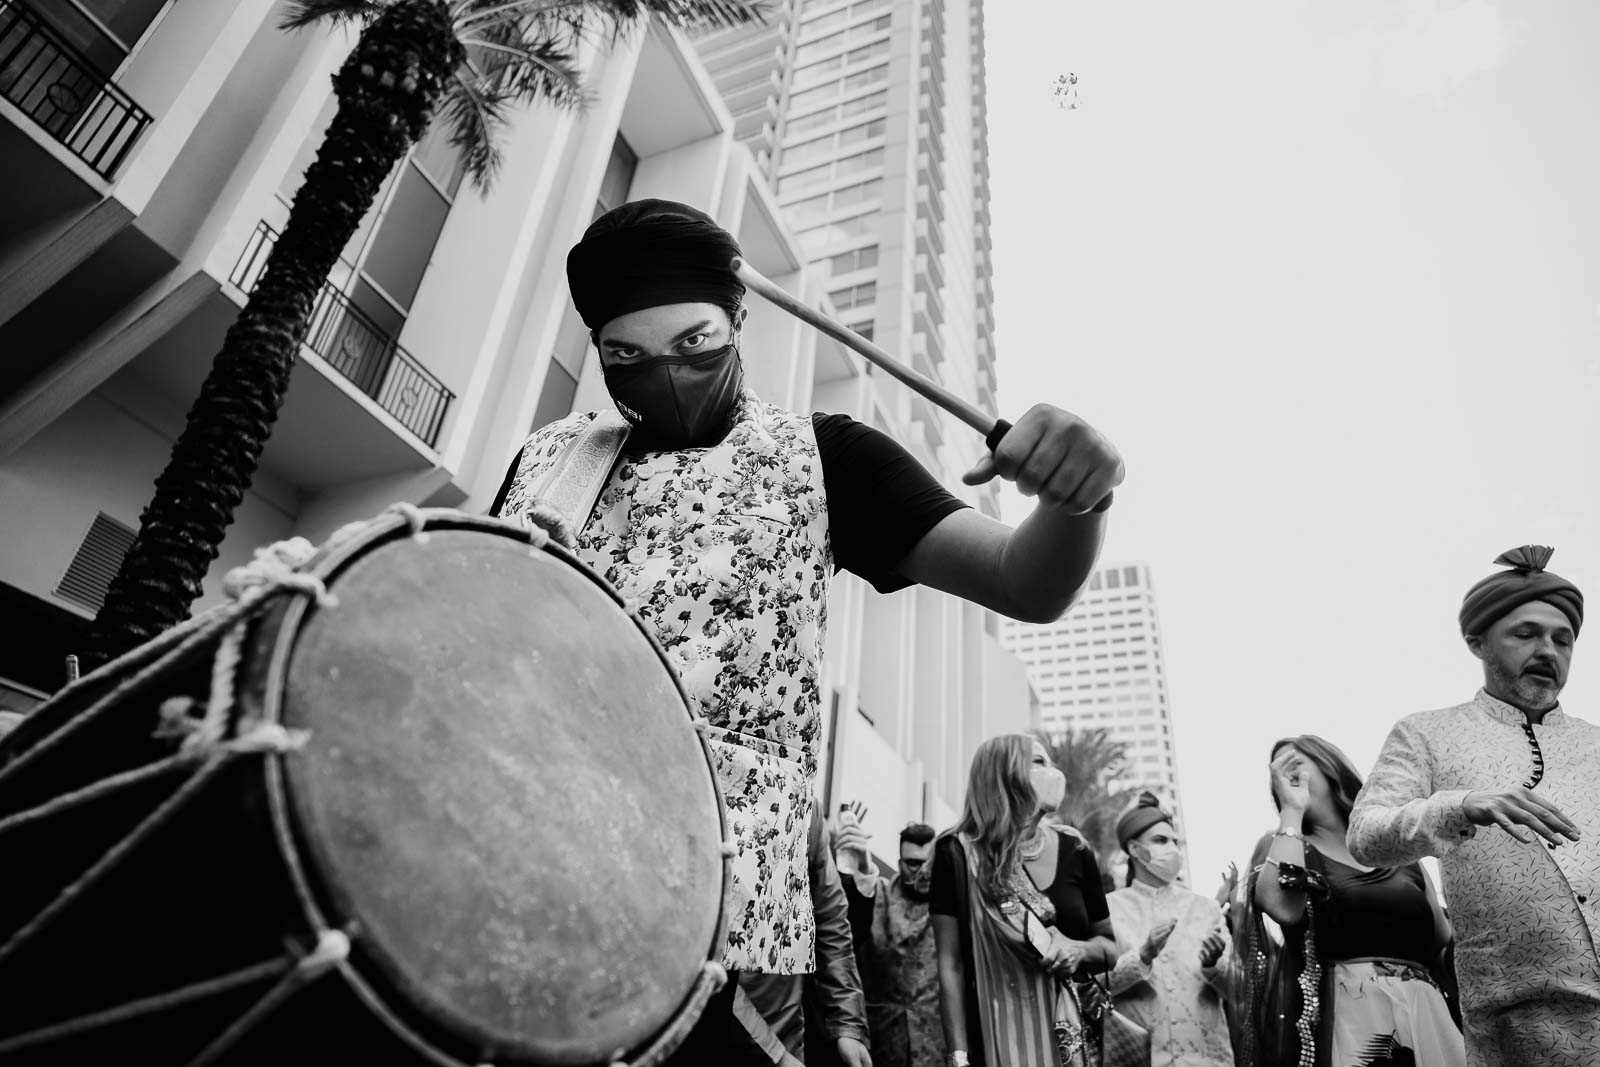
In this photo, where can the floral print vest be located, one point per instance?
(725, 550)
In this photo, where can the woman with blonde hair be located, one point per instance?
(1018, 909)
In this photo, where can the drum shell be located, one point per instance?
(272, 874)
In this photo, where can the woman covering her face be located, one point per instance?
(1367, 941)
(1169, 974)
(1018, 909)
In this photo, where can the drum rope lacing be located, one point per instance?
(276, 569)
(273, 571)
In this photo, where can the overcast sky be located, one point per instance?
(1329, 275)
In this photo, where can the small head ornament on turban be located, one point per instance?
(648, 253)
(1504, 591)
(1145, 813)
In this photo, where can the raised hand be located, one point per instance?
(1289, 782)
(1056, 456)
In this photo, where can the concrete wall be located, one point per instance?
(102, 455)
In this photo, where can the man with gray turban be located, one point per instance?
(1505, 790)
(723, 517)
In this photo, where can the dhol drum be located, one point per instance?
(433, 797)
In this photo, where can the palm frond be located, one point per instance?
(302, 13)
(476, 114)
(540, 70)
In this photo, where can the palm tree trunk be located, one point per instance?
(387, 90)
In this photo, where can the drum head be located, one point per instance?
(504, 793)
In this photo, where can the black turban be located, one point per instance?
(1145, 813)
(1526, 581)
(648, 253)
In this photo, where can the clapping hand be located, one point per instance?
(1211, 949)
(1156, 940)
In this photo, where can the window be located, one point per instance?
(1130, 576)
(854, 296)
(866, 52)
(871, 76)
(859, 193)
(864, 329)
(572, 342)
(823, 146)
(859, 162)
(807, 52)
(104, 31)
(810, 208)
(860, 259)
(862, 104)
(864, 132)
(800, 179)
(816, 73)
(838, 168)
(819, 237)
(814, 121)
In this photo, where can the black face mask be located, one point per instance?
(677, 401)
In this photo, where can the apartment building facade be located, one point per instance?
(1103, 665)
(149, 170)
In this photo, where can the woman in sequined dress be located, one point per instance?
(1018, 909)
(1346, 974)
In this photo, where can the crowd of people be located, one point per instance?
(996, 942)
(1335, 950)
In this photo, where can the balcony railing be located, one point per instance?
(358, 348)
(55, 86)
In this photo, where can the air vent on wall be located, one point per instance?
(97, 561)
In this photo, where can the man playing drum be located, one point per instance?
(724, 517)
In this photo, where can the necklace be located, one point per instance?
(1032, 850)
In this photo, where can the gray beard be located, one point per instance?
(1526, 692)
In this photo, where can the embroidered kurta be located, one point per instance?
(725, 552)
(1526, 917)
(900, 971)
(1185, 1018)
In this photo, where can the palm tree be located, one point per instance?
(471, 60)
(1094, 766)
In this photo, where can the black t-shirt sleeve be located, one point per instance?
(949, 866)
(1094, 890)
(881, 501)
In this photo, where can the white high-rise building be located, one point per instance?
(870, 119)
(1102, 665)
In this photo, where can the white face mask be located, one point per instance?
(1163, 861)
(1049, 785)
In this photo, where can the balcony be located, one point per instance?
(60, 91)
(356, 347)
(752, 93)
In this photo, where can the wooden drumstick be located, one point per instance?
(993, 429)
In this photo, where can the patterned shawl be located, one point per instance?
(1026, 1017)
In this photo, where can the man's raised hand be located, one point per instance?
(1056, 456)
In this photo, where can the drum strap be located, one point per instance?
(575, 480)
